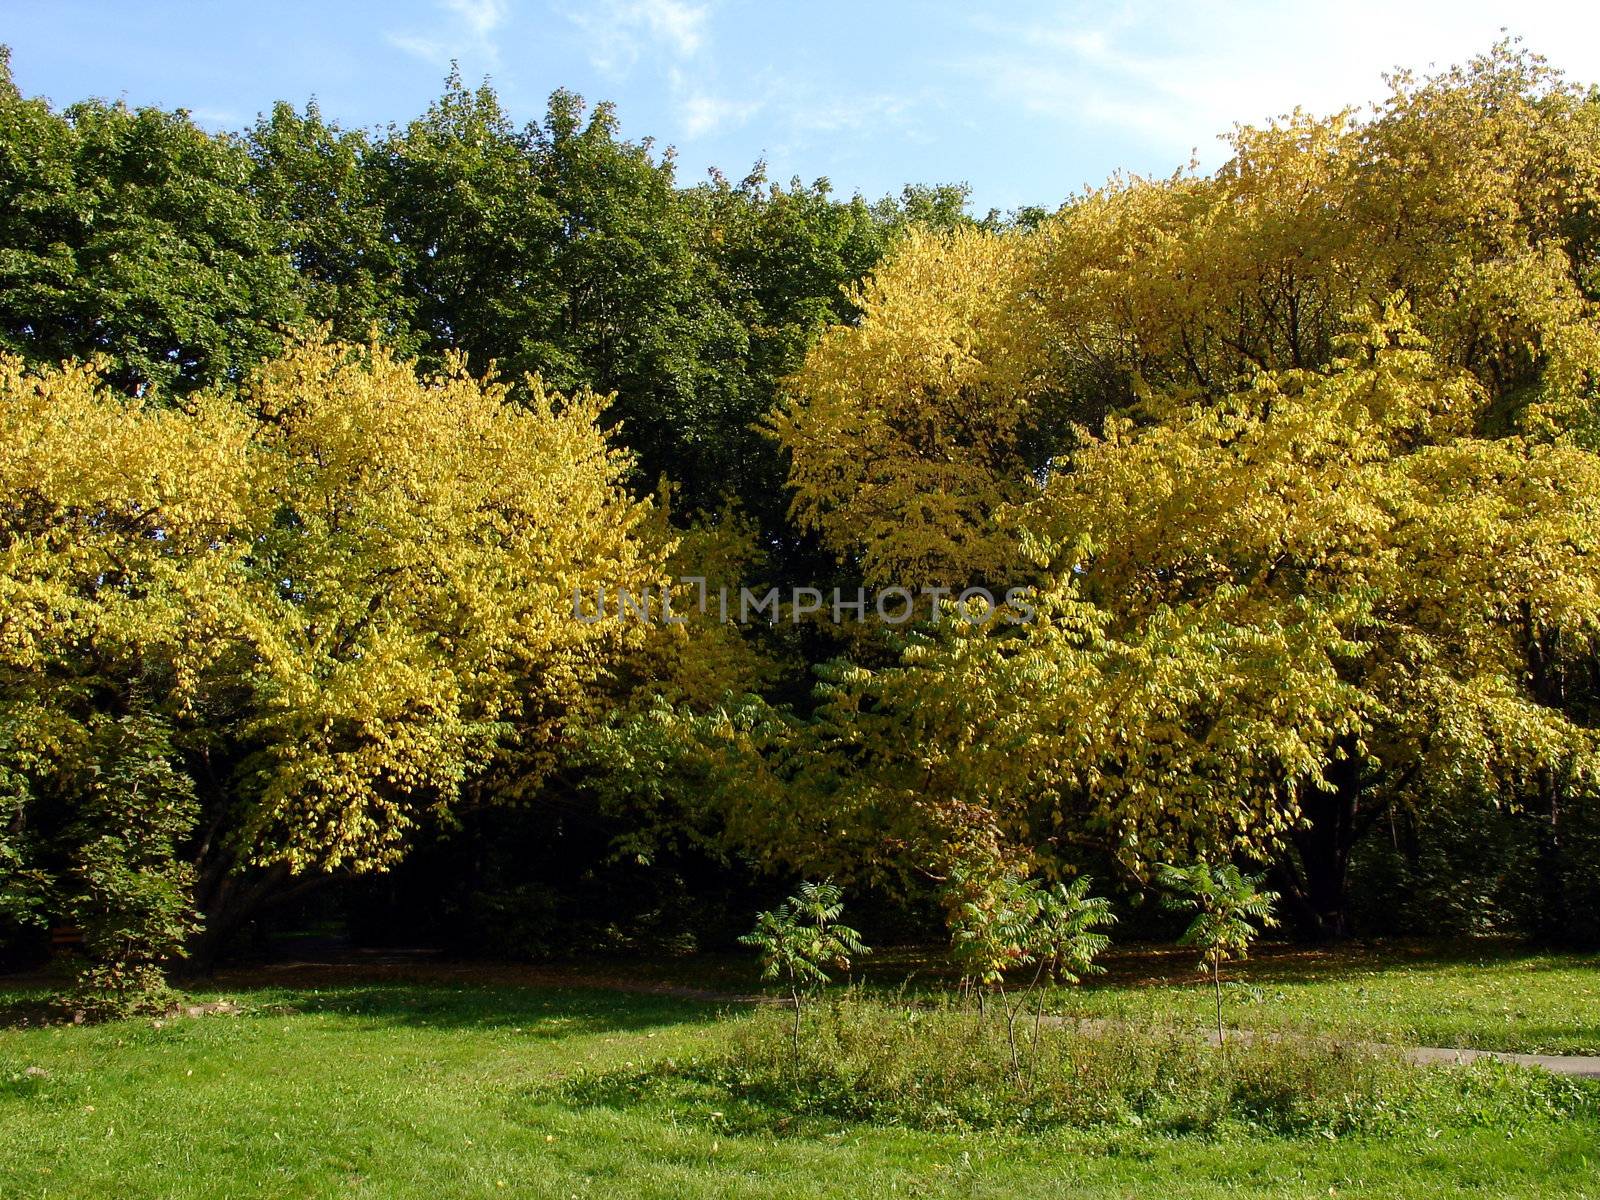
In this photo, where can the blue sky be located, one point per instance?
(1026, 101)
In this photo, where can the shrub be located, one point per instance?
(129, 891)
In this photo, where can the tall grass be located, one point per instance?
(947, 1068)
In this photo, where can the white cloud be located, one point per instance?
(796, 110)
(837, 115)
(703, 114)
(482, 17)
(620, 32)
(468, 31)
(681, 25)
(429, 50)
(1173, 78)
(673, 38)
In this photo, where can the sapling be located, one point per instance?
(1066, 939)
(1228, 905)
(991, 932)
(800, 939)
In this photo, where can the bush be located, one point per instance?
(1481, 866)
(130, 892)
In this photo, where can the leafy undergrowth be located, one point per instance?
(946, 1069)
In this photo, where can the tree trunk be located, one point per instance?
(1553, 918)
(1216, 984)
(233, 900)
(1548, 682)
(1317, 894)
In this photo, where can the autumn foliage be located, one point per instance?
(1296, 466)
(343, 599)
(1315, 535)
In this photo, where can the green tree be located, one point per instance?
(1066, 938)
(562, 249)
(476, 237)
(128, 887)
(322, 186)
(26, 886)
(1066, 933)
(134, 234)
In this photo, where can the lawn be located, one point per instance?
(1486, 994)
(444, 1086)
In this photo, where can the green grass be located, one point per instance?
(1486, 993)
(441, 1090)
(946, 1067)
(1483, 995)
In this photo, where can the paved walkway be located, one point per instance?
(1584, 1066)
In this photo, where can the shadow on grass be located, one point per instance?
(538, 1011)
(22, 1010)
(610, 995)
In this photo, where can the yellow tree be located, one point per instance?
(406, 622)
(1269, 616)
(1455, 568)
(1474, 193)
(119, 531)
(905, 431)
(347, 592)
(1317, 535)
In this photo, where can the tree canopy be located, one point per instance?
(1314, 536)
(315, 441)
